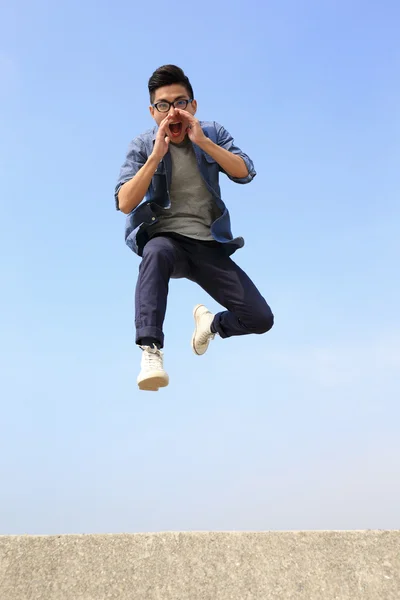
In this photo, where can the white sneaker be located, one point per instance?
(152, 375)
(202, 333)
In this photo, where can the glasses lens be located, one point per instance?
(162, 106)
(182, 104)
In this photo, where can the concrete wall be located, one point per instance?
(358, 565)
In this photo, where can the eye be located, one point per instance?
(181, 104)
(162, 106)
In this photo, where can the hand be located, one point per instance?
(193, 127)
(162, 141)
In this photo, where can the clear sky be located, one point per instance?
(296, 429)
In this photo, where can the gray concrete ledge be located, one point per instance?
(335, 565)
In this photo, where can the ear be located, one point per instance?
(194, 106)
(151, 109)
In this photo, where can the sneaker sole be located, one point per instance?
(196, 308)
(152, 384)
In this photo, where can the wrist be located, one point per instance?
(206, 144)
(154, 159)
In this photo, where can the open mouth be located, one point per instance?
(175, 129)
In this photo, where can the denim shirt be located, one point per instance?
(157, 197)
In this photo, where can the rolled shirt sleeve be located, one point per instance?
(134, 161)
(226, 141)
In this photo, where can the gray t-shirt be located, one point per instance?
(193, 209)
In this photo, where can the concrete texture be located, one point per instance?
(348, 565)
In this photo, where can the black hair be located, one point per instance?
(168, 75)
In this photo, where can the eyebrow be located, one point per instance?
(177, 98)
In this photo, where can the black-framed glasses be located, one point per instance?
(164, 106)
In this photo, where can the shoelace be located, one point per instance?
(205, 336)
(152, 357)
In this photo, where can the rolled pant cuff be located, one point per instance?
(150, 332)
(216, 324)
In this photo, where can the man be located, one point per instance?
(182, 229)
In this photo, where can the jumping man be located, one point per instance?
(177, 222)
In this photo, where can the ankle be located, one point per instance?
(149, 341)
(212, 327)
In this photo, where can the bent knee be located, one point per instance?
(262, 322)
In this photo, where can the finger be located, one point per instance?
(165, 121)
(164, 124)
(186, 115)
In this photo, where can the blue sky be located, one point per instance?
(297, 429)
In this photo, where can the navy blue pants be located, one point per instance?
(170, 256)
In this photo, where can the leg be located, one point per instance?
(247, 311)
(162, 259)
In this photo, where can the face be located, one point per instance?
(173, 93)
